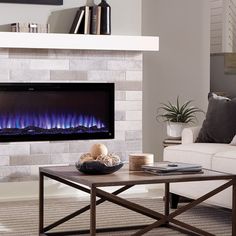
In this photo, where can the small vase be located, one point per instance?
(174, 129)
(105, 18)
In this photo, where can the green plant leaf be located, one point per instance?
(178, 113)
(184, 106)
(177, 103)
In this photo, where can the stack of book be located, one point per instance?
(87, 20)
(30, 27)
(169, 168)
(168, 142)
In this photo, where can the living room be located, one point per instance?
(174, 60)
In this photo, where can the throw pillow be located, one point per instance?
(233, 142)
(219, 125)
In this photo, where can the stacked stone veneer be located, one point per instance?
(20, 160)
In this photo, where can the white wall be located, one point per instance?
(181, 67)
(126, 15)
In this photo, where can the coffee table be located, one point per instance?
(91, 184)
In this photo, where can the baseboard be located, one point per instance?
(17, 191)
(155, 189)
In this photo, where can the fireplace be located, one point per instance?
(56, 111)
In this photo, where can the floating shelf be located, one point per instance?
(78, 41)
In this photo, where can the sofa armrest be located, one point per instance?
(189, 135)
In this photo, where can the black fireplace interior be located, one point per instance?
(56, 111)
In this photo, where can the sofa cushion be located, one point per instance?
(195, 153)
(219, 125)
(233, 142)
(225, 161)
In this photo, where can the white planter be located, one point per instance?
(174, 129)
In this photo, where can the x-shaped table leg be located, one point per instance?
(162, 219)
(78, 212)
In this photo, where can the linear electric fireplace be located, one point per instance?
(56, 111)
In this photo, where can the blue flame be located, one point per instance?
(49, 121)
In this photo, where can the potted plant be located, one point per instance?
(177, 116)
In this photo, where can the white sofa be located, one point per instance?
(215, 156)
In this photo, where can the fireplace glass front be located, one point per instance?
(56, 111)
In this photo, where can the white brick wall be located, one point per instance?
(4, 161)
(20, 161)
(27, 75)
(49, 64)
(86, 65)
(134, 96)
(133, 115)
(111, 76)
(134, 75)
(128, 105)
(4, 74)
(4, 53)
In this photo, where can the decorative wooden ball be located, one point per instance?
(86, 157)
(98, 149)
(137, 160)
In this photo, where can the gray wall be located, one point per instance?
(221, 82)
(182, 65)
(126, 15)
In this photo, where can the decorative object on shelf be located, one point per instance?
(43, 2)
(177, 116)
(85, 158)
(30, 28)
(98, 161)
(137, 160)
(105, 18)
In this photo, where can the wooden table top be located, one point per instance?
(126, 177)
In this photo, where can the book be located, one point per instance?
(95, 19)
(170, 141)
(87, 20)
(94, 14)
(173, 172)
(167, 167)
(99, 12)
(81, 26)
(77, 21)
(80, 20)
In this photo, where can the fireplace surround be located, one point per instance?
(19, 161)
(56, 111)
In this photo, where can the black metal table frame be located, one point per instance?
(161, 219)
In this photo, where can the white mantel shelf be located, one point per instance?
(75, 41)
